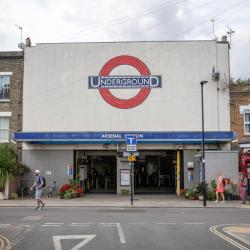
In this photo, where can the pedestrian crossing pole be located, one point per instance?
(131, 182)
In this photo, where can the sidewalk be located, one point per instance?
(103, 200)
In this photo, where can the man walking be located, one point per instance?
(38, 186)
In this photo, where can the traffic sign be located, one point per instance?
(131, 140)
(131, 148)
(131, 158)
(126, 154)
(131, 143)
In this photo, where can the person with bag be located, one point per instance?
(38, 185)
(243, 187)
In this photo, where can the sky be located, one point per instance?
(46, 21)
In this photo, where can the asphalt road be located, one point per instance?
(121, 228)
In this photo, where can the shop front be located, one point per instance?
(162, 164)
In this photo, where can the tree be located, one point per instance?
(8, 165)
(240, 81)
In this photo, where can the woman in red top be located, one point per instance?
(220, 189)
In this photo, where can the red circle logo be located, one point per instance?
(124, 103)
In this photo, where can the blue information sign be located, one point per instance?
(131, 140)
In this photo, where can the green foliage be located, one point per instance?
(191, 194)
(74, 183)
(240, 81)
(213, 184)
(211, 196)
(124, 192)
(8, 164)
(22, 169)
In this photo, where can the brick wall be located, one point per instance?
(13, 62)
(239, 96)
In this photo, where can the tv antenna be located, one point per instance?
(21, 45)
(230, 32)
(213, 21)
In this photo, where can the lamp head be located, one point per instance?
(203, 82)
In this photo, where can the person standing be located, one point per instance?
(243, 187)
(220, 189)
(38, 186)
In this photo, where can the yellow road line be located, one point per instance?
(226, 238)
(4, 242)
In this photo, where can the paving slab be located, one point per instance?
(93, 200)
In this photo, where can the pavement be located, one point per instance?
(104, 200)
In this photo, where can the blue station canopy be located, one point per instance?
(193, 137)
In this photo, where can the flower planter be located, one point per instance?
(124, 192)
(192, 198)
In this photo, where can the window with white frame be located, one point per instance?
(4, 129)
(4, 87)
(247, 123)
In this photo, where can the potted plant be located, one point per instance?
(63, 189)
(228, 195)
(8, 168)
(124, 192)
(213, 185)
(191, 194)
(79, 192)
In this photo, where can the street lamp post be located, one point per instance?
(203, 150)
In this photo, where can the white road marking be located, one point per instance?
(236, 236)
(86, 239)
(194, 223)
(31, 218)
(137, 223)
(11, 244)
(119, 228)
(4, 226)
(213, 229)
(51, 225)
(81, 224)
(166, 223)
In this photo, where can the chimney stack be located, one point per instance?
(224, 39)
(27, 42)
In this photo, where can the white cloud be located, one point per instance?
(116, 20)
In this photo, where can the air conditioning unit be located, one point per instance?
(215, 74)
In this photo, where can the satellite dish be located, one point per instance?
(21, 45)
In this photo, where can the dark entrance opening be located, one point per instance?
(156, 172)
(97, 172)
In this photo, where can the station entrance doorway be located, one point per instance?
(96, 170)
(155, 172)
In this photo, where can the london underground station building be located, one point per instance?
(81, 101)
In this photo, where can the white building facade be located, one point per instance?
(81, 101)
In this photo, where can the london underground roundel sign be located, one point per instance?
(104, 82)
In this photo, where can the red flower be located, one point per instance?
(79, 190)
(64, 188)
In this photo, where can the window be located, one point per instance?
(4, 129)
(247, 123)
(4, 87)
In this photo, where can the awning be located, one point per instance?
(185, 137)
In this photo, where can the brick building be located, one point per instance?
(11, 87)
(240, 112)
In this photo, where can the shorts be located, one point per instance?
(38, 194)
